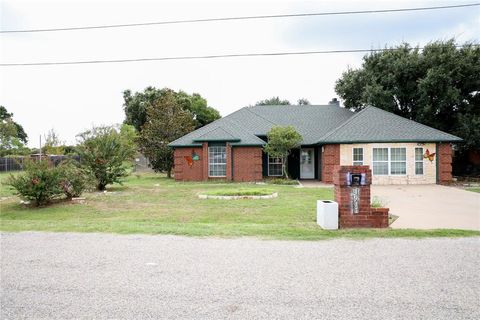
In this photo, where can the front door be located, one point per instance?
(307, 163)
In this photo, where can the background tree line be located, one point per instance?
(438, 86)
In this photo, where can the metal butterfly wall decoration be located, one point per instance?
(429, 156)
(189, 160)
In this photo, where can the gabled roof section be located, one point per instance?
(377, 125)
(217, 134)
(232, 128)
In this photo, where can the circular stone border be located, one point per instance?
(267, 196)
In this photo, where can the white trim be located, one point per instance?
(217, 176)
(389, 161)
(268, 166)
(383, 161)
(312, 162)
(415, 161)
(353, 156)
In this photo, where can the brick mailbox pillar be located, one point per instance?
(352, 192)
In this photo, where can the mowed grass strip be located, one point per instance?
(153, 204)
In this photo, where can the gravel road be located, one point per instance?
(68, 275)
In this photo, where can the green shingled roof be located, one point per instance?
(377, 125)
(317, 124)
(217, 134)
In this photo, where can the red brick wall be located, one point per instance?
(367, 217)
(247, 163)
(330, 158)
(205, 160)
(182, 171)
(444, 154)
(229, 162)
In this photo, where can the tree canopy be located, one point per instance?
(438, 86)
(4, 115)
(135, 106)
(166, 121)
(276, 101)
(12, 135)
(303, 102)
(281, 140)
(273, 101)
(53, 144)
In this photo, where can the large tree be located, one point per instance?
(438, 86)
(166, 121)
(4, 115)
(135, 106)
(12, 135)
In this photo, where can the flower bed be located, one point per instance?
(239, 194)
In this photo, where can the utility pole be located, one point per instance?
(40, 150)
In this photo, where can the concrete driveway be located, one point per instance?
(431, 206)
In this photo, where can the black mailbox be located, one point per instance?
(356, 179)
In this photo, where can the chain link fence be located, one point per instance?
(8, 164)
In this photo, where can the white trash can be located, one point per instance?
(327, 214)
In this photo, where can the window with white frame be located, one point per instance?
(398, 161)
(217, 161)
(275, 166)
(380, 161)
(358, 156)
(419, 161)
(389, 161)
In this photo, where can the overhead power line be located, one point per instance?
(241, 18)
(237, 55)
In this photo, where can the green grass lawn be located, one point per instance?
(153, 204)
(473, 189)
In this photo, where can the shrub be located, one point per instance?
(74, 180)
(282, 181)
(105, 152)
(40, 182)
(378, 203)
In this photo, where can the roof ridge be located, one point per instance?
(355, 115)
(416, 122)
(217, 129)
(248, 109)
(238, 125)
(207, 126)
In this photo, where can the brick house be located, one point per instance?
(397, 149)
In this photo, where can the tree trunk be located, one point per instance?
(285, 167)
(169, 173)
(101, 187)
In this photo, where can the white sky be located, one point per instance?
(72, 98)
